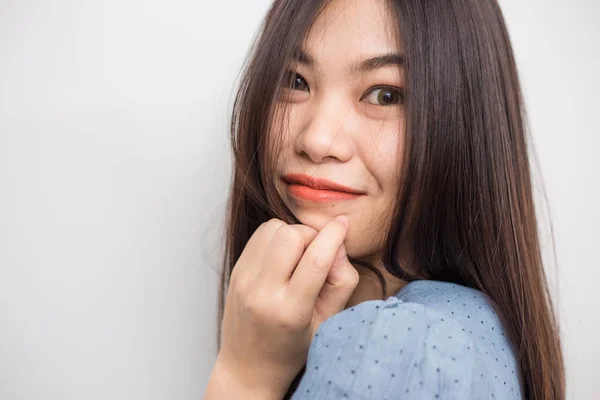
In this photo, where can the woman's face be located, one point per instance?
(346, 113)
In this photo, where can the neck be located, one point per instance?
(369, 286)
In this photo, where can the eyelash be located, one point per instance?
(398, 91)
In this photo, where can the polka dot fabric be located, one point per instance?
(433, 340)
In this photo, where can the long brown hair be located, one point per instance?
(465, 196)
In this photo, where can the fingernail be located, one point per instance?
(343, 219)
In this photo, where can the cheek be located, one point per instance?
(383, 155)
(281, 134)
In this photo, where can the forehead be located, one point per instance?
(349, 29)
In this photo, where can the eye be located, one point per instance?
(295, 81)
(384, 96)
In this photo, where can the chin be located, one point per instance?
(316, 219)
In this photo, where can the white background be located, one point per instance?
(114, 169)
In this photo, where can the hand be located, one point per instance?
(287, 281)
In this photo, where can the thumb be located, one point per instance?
(339, 285)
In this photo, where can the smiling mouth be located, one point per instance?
(318, 190)
(319, 195)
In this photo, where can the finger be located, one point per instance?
(247, 267)
(339, 285)
(284, 253)
(313, 268)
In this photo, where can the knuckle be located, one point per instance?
(253, 306)
(252, 309)
(354, 278)
(308, 229)
(288, 321)
(260, 228)
(275, 223)
(290, 236)
(258, 305)
(314, 259)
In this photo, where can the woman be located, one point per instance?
(382, 239)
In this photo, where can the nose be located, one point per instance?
(325, 133)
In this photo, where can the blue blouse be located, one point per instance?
(432, 340)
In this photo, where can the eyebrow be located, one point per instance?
(370, 64)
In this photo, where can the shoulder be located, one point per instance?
(432, 338)
(427, 304)
(465, 305)
(495, 360)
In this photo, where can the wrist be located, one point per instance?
(226, 382)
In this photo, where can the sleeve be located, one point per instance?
(389, 350)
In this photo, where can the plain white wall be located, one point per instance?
(114, 169)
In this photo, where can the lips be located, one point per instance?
(306, 188)
(319, 184)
